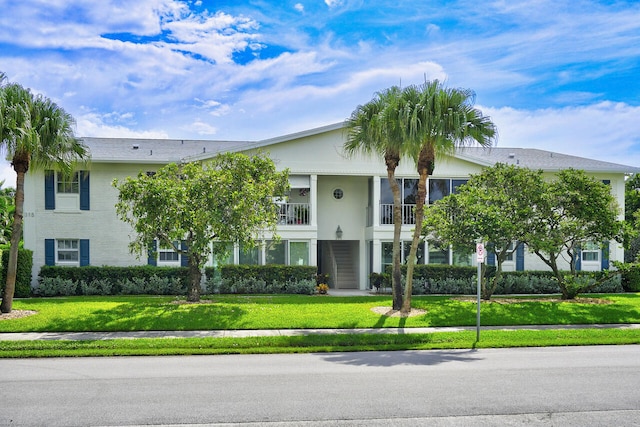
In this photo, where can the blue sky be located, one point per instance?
(560, 75)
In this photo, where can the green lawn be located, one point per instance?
(281, 312)
(317, 312)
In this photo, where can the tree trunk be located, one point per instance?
(195, 276)
(16, 234)
(396, 274)
(425, 168)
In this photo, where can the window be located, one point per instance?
(456, 183)
(438, 255)
(299, 253)
(222, 253)
(68, 184)
(67, 251)
(167, 253)
(405, 251)
(249, 255)
(275, 252)
(438, 189)
(590, 252)
(66, 192)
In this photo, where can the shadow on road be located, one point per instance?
(397, 358)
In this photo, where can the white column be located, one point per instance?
(376, 201)
(313, 181)
(377, 256)
(313, 252)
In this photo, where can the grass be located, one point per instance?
(318, 343)
(144, 313)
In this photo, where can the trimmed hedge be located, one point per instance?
(445, 279)
(261, 279)
(270, 273)
(90, 273)
(631, 279)
(106, 280)
(23, 272)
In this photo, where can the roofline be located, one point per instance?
(270, 141)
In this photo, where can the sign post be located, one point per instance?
(479, 261)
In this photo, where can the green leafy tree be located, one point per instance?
(227, 199)
(632, 214)
(574, 210)
(436, 120)
(34, 133)
(494, 207)
(375, 128)
(7, 210)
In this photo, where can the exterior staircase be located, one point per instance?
(345, 267)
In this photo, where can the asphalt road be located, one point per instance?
(532, 386)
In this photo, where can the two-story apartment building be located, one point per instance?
(338, 215)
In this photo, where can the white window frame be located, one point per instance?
(59, 248)
(168, 250)
(590, 248)
(69, 198)
(70, 184)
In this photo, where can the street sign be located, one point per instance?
(480, 253)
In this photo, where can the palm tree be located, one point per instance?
(436, 120)
(374, 128)
(34, 132)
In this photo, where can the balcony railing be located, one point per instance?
(408, 214)
(294, 213)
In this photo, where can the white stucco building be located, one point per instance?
(337, 216)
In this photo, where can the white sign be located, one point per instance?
(480, 253)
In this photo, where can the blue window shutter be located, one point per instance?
(49, 190)
(184, 258)
(49, 251)
(491, 257)
(84, 190)
(520, 257)
(578, 258)
(152, 260)
(605, 256)
(84, 252)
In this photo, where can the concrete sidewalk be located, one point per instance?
(93, 336)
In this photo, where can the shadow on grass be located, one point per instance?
(147, 314)
(451, 312)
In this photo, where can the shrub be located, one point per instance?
(271, 273)
(55, 286)
(251, 285)
(115, 275)
(23, 272)
(96, 287)
(631, 279)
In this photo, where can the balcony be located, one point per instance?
(408, 214)
(294, 213)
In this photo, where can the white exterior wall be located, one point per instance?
(316, 155)
(108, 236)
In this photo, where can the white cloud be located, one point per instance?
(202, 128)
(7, 175)
(333, 3)
(299, 7)
(604, 131)
(92, 124)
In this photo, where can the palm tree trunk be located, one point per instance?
(425, 168)
(396, 275)
(16, 234)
